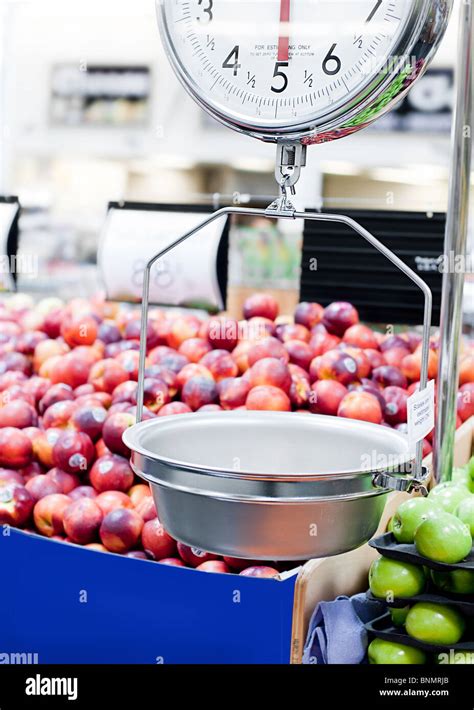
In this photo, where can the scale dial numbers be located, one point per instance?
(281, 63)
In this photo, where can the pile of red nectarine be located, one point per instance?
(68, 391)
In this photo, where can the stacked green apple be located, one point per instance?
(465, 475)
(441, 527)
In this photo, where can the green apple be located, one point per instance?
(465, 512)
(458, 581)
(444, 538)
(389, 579)
(390, 524)
(461, 477)
(449, 495)
(435, 623)
(383, 652)
(410, 515)
(399, 615)
(453, 657)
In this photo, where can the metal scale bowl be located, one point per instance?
(268, 485)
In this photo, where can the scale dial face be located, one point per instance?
(279, 65)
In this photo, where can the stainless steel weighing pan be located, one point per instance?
(270, 485)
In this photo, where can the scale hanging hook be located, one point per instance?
(291, 157)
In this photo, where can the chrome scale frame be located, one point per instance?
(290, 159)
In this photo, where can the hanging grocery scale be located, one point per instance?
(272, 485)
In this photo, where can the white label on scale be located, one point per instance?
(421, 413)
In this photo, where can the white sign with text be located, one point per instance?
(420, 409)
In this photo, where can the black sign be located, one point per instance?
(339, 265)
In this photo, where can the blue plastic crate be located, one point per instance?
(73, 605)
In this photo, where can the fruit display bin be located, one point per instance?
(68, 604)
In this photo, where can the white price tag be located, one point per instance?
(420, 407)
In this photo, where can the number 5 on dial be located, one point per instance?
(278, 73)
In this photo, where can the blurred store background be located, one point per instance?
(91, 112)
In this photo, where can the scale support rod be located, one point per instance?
(455, 245)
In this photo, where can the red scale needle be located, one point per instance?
(283, 39)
